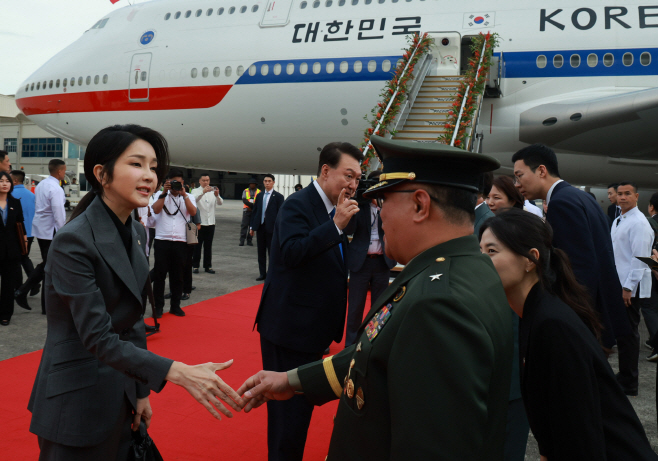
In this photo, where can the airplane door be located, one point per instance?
(447, 53)
(276, 13)
(138, 86)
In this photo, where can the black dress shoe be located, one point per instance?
(167, 296)
(261, 278)
(4, 322)
(177, 312)
(184, 296)
(193, 288)
(35, 290)
(210, 271)
(249, 243)
(241, 244)
(148, 327)
(196, 270)
(158, 313)
(21, 300)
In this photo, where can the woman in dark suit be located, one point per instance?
(95, 373)
(10, 250)
(576, 408)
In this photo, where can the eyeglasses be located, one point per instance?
(380, 198)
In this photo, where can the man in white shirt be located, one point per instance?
(49, 217)
(207, 198)
(172, 211)
(631, 236)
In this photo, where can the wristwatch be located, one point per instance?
(163, 195)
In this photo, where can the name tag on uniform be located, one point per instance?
(377, 322)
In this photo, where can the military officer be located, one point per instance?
(429, 375)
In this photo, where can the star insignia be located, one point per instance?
(435, 277)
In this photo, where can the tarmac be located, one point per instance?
(236, 268)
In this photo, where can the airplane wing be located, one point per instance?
(614, 122)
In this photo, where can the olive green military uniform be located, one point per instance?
(429, 376)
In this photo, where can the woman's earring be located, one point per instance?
(527, 270)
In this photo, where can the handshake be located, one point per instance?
(202, 382)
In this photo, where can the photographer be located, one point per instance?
(368, 264)
(172, 209)
(207, 198)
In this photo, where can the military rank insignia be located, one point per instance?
(377, 322)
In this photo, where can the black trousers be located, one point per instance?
(206, 235)
(244, 226)
(9, 269)
(516, 431)
(114, 448)
(629, 346)
(288, 420)
(374, 274)
(37, 274)
(187, 270)
(26, 264)
(151, 240)
(169, 258)
(263, 242)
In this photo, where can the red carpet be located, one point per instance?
(213, 331)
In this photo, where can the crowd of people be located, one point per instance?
(505, 314)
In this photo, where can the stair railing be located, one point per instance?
(420, 73)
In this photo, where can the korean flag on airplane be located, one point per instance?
(479, 20)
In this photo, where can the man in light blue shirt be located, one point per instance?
(27, 199)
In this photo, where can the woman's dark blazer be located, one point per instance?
(95, 350)
(576, 408)
(9, 248)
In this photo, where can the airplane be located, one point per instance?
(262, 85)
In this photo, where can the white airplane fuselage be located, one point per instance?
(180, 76)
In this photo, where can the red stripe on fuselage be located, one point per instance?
(189, 97)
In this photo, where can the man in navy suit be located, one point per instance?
(369, 266)
(302, 308)
(263, 217)
(581, 230)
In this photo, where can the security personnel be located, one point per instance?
(429, 375)
(248, 199)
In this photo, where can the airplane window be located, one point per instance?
(575, 60)
(541, 61)
(44, 85)
(592, 60)
(188, 13)
(317, 67)
(88, 80)
(355, 2)
(177, 15)
(228, 71)
(276, 69)
(65, 82)
(144, 76)
(194, 72)
(394, 1)
(167, 16)
(38, 85)
(368, 2)
(252, 70)
(302, 5)
(240, 70)
(79, 81)
(105, 79)
(372, 66)
(73, 81)
(209, 12)
(386, 65)
(303, 68)
(344, 67)
(358, 66)
(264, 69)
(103, 22)
(382, 1)
(216, 72)
(645, 58)
(220, 11)
(316, 4)
(32, 87)
(231, 10)
(27, 87)
(608, 59)
(558, 60)
(204, 72)
(328, 3)
(330, 67)
(627, 59)
(243, 9)
(96, 80)
(290, 68)
(254, 8)
(341, 2)
(50, 85)
(198, 13)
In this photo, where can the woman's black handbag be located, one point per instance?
(142, 447)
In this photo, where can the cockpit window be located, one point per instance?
(100, 24)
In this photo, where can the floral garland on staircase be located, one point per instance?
(394, 93)
(475, 79)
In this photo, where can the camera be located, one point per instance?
(364, 185)
(176, 185)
